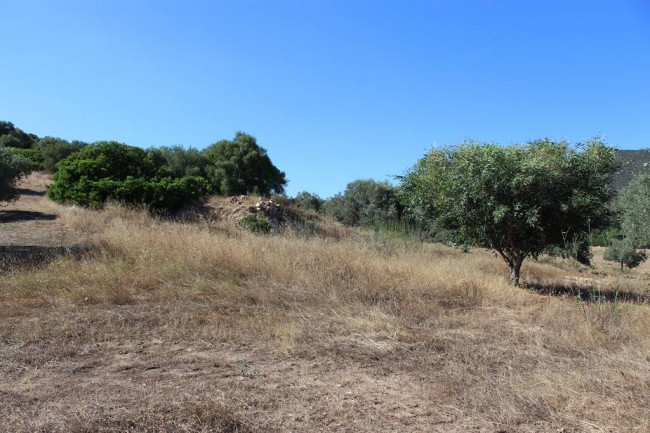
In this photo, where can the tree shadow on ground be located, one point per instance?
(26, 191)
(11, 216)
(32, 256)
(588, 293)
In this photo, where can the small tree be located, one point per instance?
(308, 200)
(240, 166)
(365, 202)
(54, 149)
(12, 168)
(519, 200)
(628, 248)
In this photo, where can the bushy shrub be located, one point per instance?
(34, 156)
(625, 254)
(256, 224)
(117, 172)
(12, 168)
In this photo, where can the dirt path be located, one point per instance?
(30, 231)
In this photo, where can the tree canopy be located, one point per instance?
(517, 200)
(240, 166)
(633, 237)
(10, 136)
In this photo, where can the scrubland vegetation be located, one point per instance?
(203, 326)
(174, 311)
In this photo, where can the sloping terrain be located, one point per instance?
(633, 163)
(201, 327)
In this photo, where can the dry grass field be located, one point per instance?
(203, 327)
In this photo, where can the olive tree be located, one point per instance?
(628, 246)
(519, 200)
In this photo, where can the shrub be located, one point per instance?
(117, 172)
(256, 224)
(34, 156)
(625, 254)
(309, 201)
(12, 168)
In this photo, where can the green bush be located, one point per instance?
(117, 172)
(309, 201)
(256, 224)
(12, 168)
(625, 254)
(34, 156)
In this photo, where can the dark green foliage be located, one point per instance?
(112, 171)
(240, 166)
(519, 200)
(365, 203)
(256, 224)
(34, 157)
(309, 201)
(624, 253)
(55, 149)
(179, 161)
(10, 136)
(12, 168)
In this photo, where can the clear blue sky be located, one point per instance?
(334, 90)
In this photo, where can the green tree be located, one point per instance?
(365, 202)
(54, 149)
(240, 166)
(10, 136)
(634, 204)
(519, 200)
(629, 243)
(179, 161)
(308, 200)
(12, 168)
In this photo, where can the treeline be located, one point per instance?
(520, 201)
(163, 178)
(540, 197)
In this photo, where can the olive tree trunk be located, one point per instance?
(515, 270)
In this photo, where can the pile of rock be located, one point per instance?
(272, 211)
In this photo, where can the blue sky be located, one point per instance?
(334, 90)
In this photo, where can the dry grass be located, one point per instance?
(192, 327)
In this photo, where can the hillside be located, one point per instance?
(201, 326)
(633, 162)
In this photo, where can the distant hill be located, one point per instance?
(633, 162)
